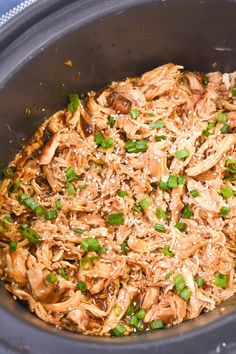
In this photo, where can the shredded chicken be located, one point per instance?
(121, 210)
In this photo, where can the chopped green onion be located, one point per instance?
(163, 186)
(119, 330)
(102, 250)
(157, 125)
(8, 172)
(12, 246)
(160, 137)
(71, 190)
(107, 143)
(58, 205)
(222, 117)
(132, 309)
(51, 278)
(13, 187)
(136, 146)
(185, 294)
(179, 282)
(124, 247)
(200, 282)
(134, 114)
(30, 234)
(152, 114)
(134, 321)
(98, 138)
(30, 203)
(90, 244)
(73, 103)
(78, 231)
(194, 193)
(70, 175)
(206, 132)
(220, 280)
(160, 213)
(225, 129)
(122, 193)
(145, 203)
(227, 192)
(116, 219)
(168, 275)
(64, 275)
(9, 219)
(182, 179)
(182, 154)
(205, 80)
(136, 207)
(81, 285)
(50, 214)
(156, 324)
(224, 210)
(181, 226)
(187, 212)
(231, 164)
(83, 186)
(39, 210)
(22, 197)
(167, 251)
(172, 181)
(140, 325)
(233, 91)
(159, 227)
(211, 125)
(141, 314)
(111, 121)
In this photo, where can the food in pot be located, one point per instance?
(119, 215)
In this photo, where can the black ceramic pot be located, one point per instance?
(106, 40)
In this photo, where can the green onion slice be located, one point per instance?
(182, 154)
(231, 165)
(73, 103)
(119, 330)
(81, 285)
(30, 234)
(156, 324)
(226, 192)
(116, 219)
(161, 214)
(220, 280)
(181, 226)
(187, 212)
(70, 175)
(157, 125)
(51, 278)
(90, 244)
(167, 251)
(194, 193)
(134, 114)
(136, 146)
(122, 193)
(145, 203)
(50, 214)
(12, 246)
(159, 227)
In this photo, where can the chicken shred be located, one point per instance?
(108, 204)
